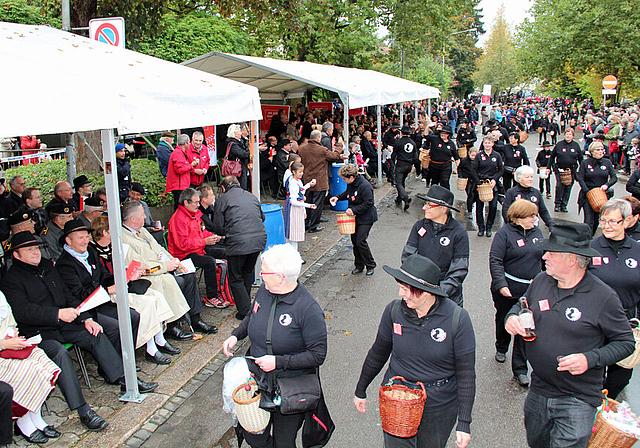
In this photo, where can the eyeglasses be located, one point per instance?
(611, 222)
(431, 204)
(269, 273)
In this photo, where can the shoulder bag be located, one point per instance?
(230, 167)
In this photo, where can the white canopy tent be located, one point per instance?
(60, 82)
(278, 79)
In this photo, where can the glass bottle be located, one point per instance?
(526, 319)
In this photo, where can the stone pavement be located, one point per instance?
(134, 424)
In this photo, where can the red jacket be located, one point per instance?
(203, 155)
(179, 171)
(186, 233)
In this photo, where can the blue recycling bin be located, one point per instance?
(273, 224)
(337, 185)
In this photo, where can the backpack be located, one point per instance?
(224, 292)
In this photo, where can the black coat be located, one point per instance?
(78, 280)
(10, 204)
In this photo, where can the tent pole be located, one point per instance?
(429, 108)
(415, 120)
(253, 142)
(401, 110)
(379, 139)
(71, 158)
(345, 131)
(122, 297)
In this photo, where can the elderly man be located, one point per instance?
(181, 291)
(197, 154)
(59, 215)
(42, 304)
(13, 200)
(315, 158)
(327, 134)
(188, 239)
(33, 200)
(580, 327)
(83, 187)
(164, 150)
(91, 210)
(62, 194)
(22, 221)
(180, 169)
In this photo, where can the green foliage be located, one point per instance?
(19, 11)
(148, 174)
(424, 70)
(194, 34)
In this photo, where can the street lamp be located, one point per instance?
(448, 36)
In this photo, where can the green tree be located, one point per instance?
(498, 65)
(425, 70)
(19, 11)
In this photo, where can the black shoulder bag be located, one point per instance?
(298, 393)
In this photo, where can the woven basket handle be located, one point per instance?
(392, 379)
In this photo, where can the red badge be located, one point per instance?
(544, 305)
(256, 305)
(520, 242)
(421, 232)
(597, 261)
(397, 329)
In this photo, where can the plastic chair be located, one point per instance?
(83, 366)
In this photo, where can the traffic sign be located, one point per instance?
(609, 82)
(109, 30)
(608, 91)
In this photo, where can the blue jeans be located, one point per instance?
(564, 422)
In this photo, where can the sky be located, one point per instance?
(515, 13)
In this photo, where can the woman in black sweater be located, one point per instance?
(465, 172)
(430, 340)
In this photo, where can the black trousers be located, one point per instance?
(313, 216)
(507, 180)
(107, 317)
(241, 272)
(591, 217)
(472, 195)
(208, 265)
(518, 358)
(563, 192)
(616, 379)
(433, 432)
(176, 197)
(545, 182)
(188, 284)
(402, 171)
(68, 378)
(284, 429)
(493, 208)
(6, 424)
(439, 174)
(217, 250)
(361, 250)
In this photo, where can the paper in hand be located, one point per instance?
(95, 299)
(34, 340)
(186, 267)
(135, 264)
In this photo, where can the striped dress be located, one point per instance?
(294, 210)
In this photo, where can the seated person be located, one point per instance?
(59, 215)
(181, 291)
(91, 209)
(13, 200)
(20, 221)
(42, 304)
(6, 424)
(33, 200)
(151, 305)
(207, 199)
(32, 378)
(154, 227)
(62, 194)
(101, 193)
(187, 239)
(83, 187)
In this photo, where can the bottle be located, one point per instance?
(526, 319)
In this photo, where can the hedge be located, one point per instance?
(44, 175)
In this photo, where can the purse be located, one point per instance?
(139, 286)
(16, 354)
(230, 167)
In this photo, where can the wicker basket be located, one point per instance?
(461, 183)
(250, 416)
(425, 158)
(544, 173)
(634, 359)
(401, 408)
(597, 198)
(346, 224)
(605, 435)
(462, 151)
(565, 177)
(485, 191)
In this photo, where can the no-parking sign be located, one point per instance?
(109, 30)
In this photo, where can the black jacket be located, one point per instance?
(565, 155)
(280, 162)
(514, 156)
(404, 150)
(633, 184)
(441, 151)
(78, 280)
(10, 204)
(466, 137)
(124, 178)
(487, 167)
(238, 216)
(359, 193)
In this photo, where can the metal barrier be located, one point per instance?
(42, 156)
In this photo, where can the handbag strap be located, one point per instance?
(226, 156)
(272, 315)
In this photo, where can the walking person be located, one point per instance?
(514, 260)
(429, 339)
(524, 189)
(566, 155)
(294, 206)
(464, 172)
(542, 161)
(487, 166)
(442, 151)
(514, 156)
(403, 157)
(359, 194)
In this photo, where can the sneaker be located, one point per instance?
(501, 357)
(215, 302)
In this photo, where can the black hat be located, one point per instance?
(464, 120)
(23, 239)
(439, 195)
(599, 137)
(59, 208)
(395, 125)
(419, 272)
(573, 238)
(137, 187)
(406, 129)
(19, 216)
(284, 141)
(546, 144)
(446, 128)
(80, 181)
(74, 225)
(94, 201)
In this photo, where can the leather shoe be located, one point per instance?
(357, 271)
(168, 349)
(143, 386)
(205, 327)
(51, 432)
(480, 232)
(93, 422)
(501, 357)
(369, 271)
(158, 358)
(177, 334)
(36, 436)
(316, 229)
(488, 233)
(407, 201)
(522, 379)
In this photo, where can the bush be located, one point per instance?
(44, 175)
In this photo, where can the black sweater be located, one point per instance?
(531, 194)
(359, 193)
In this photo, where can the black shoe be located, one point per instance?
(316, 229)
(93, 422)
(480, 232)
(557, 209)
(143, 386)
(501, 357)
(357, 271)
(177, 334)
(548, 195)
(304, 261)
(36, 436)
(406, 204)
(323, 219)
(51, 432)
(205, 327)
(370, 271)
(398, 201)
(240, 316)
(168, 349)
(488, 233)
(564, 210)
(522, 379)
(158, 358)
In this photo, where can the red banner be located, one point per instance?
(210, 142)
(268, 112)
(356, 112)
(324, 105)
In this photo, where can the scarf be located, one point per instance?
(82, 258)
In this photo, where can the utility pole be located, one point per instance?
(447, 37)
(70, 143)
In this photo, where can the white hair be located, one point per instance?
(233, 130)
(283, 259)
(521, 171)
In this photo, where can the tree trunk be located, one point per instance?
(86, 161)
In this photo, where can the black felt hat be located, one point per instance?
(75, 225)
(19, 216)
(419, 272)
(138, 188)
(439, 195)
(23, 239)
(94, 201)
(446, 128)
(58, 208)
(546, 144)
(573, 238)
(80, 181)
(395, 125)
(406, 130)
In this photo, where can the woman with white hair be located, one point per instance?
(237, 152)
(524, 189)
(288, 335)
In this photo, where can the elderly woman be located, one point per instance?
(298, 338)
(431, 340)
(359, 194)
(595, 172)
(31, 375)
(235, 151)
(618, 268)
(442, 239)
(514, 259)
(524, 189)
